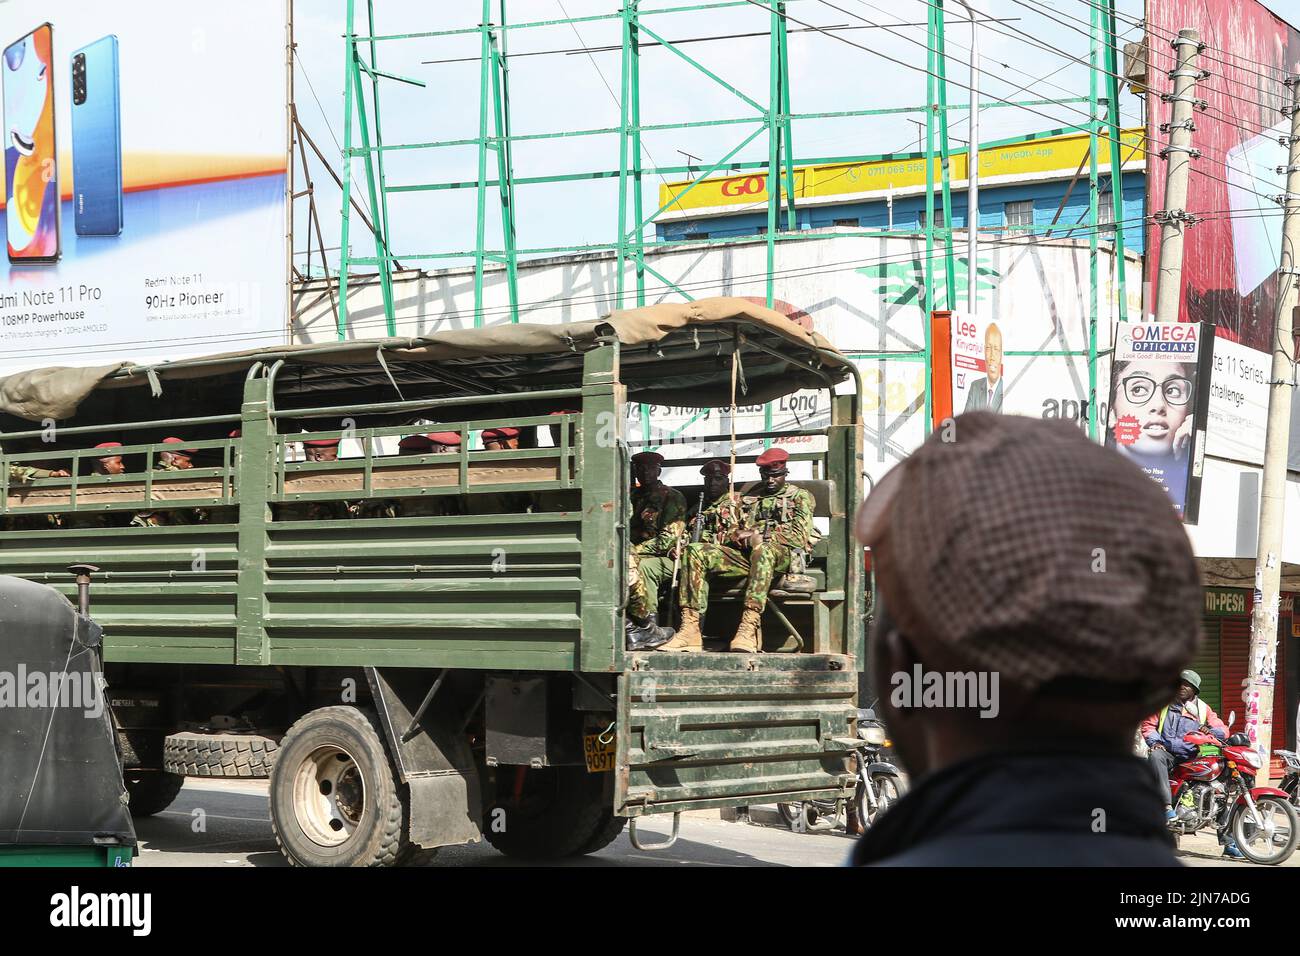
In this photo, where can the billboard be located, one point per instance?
(1238, 405)
(1018, 158)
(145, 169)
(1153, 411)
(1231, 255)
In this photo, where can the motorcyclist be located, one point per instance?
(1165, 732)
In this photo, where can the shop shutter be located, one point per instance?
(1206, 663)
(1234, 653)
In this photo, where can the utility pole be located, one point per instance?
(1178, 155)
(1262, 665)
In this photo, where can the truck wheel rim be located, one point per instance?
(329, 796)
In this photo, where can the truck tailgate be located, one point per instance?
(712, 730)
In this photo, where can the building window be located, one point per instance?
(696, 235)
(848, 222)
(1106, 208)
(1019, 213)
(938, 218)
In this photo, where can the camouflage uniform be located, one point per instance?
(718, 521)
(785, 520)
(30, 522)
(26, 473)
(658, 523)
(173, 516)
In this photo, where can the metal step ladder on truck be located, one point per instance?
(426, 648)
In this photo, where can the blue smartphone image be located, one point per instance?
(96, 139)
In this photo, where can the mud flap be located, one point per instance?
(435, 764)
(711, 730)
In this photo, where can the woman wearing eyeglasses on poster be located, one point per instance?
(1151, 420)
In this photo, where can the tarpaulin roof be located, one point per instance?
(779, 356)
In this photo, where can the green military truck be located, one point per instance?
(452, 668)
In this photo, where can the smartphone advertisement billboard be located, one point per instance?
(145, 169)
(1156, 416)
(1231, 255)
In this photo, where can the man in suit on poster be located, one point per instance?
(986, 393)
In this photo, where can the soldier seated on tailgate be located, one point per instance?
(176, 458)
(774, 534)
(657, 527)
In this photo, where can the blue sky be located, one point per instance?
(575, 90)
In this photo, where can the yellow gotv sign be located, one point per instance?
(1028, 157)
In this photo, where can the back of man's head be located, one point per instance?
(1017, 549)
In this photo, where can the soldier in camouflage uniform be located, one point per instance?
(775, 523)
(22, 474)
(504, 438)
(657, 527)
(172, 459)
(720, 516)
(109, 463)
(434, 443)
(323, 449)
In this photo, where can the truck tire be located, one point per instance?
(604, 835)
(249, 756)
(151, 791)
(558, 812)
(335, 797)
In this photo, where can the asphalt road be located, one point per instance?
(226, 823)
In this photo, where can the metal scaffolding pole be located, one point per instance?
(1116, 161)
(1094, 198)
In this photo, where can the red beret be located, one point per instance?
(773, 456)
(322, 443)
(415, 441)
(716, 464)
(649, 456)
(237, 433)
(109, 444)
(443, 438)
(178, 441)
(567, 411)
(505, 431)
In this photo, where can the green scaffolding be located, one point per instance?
(363, 141)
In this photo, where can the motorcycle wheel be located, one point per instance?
(1275, 841)
(887, 788)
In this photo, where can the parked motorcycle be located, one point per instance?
(1291, 779)
(879, 786)
(1217, 789)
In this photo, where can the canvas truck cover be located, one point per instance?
(60, 780)
(56, 393)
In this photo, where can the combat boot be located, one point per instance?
(647, 635)
(749, 636)
(688, 638)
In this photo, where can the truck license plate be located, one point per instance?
(600, 756)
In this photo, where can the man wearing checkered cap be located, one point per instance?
(1018, 550)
